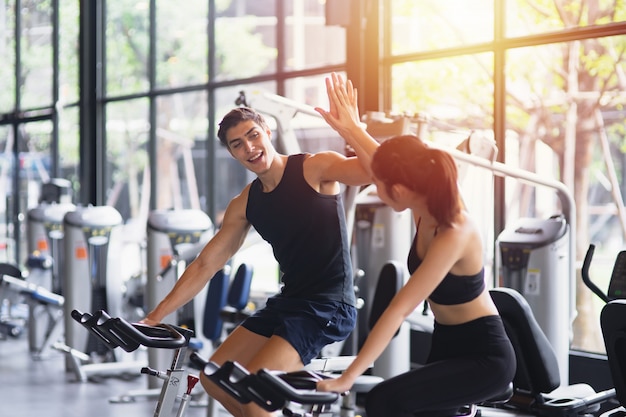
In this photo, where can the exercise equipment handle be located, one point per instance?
(197, 361)
(584, 272)
(298, 386)
(117, 332)
(271, 390)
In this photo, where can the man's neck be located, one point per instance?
(271, 178)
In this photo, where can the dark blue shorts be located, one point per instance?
(307, 325)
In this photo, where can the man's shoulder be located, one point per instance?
(240, 201)
(323, 158)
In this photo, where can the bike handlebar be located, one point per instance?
(584, 272)
(271, 390)
(117, 332)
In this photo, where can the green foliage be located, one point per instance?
(453, 89)
(68, 53)
(127, 29)
(241, 52)
(181, 43)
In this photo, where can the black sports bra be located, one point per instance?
(453, 289)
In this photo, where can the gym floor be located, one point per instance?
(33, 388)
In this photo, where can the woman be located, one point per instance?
(471, 358)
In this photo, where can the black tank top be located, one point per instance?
(307, 231)
(454, 289)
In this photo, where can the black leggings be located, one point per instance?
(467, 364)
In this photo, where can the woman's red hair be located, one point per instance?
(427, 171)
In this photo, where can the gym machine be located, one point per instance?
(14, 290)
(115, 332)
(613, 324)
(92, 280)
(292, 392)
(614, 333)
(13, 285)
(381, 236)
(36, 288)
(568, 207)
(45, 239)
(45, 263)
(174, 239)
(533, 259)
(45, 232)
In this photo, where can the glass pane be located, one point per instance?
(7, 166)
(429, 25)
(7, 57)
(252, 23)
(181, 43)
(31, 169)
(447, 100)
(455, 93)
(181, 151)
(69, 147)
(36, 55)
(308, 41)
(128, 181)
(35, 160)
(311, 131)
(566, 121)
(127, 27)
(68, 54)
(527, 17)
(5, 190)
(128, 178)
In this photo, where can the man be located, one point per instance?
(295, 204)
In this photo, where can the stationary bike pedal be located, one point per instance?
(153, 372)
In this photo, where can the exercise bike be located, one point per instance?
(613, 324)
(292, 392)
(116, 332)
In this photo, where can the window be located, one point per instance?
(561, 101)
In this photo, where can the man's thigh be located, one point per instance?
(277, 354)
(254, 351)
(241, 346)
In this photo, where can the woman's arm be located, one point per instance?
(443, 253)
(343, 116)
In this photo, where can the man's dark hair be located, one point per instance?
(236, 116)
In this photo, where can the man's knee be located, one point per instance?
(217, 393)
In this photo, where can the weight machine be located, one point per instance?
(175, 238)
(92, 281)
(45, 263)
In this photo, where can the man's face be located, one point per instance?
(250, 144)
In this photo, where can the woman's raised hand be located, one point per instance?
(343, 112)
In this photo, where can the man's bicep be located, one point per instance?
(234, 228)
